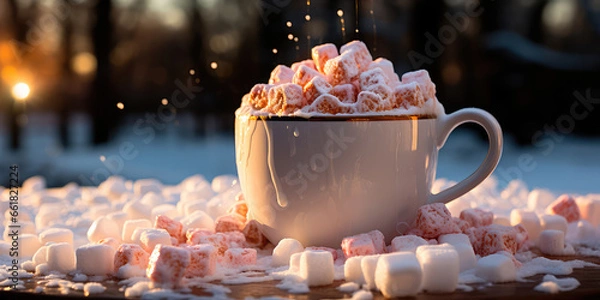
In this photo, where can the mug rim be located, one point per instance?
(338, 118)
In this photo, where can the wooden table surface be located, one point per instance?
(588, 277)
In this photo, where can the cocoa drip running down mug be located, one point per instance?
(321, 179)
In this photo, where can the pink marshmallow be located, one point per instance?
(422, 78)
(362, 55)
(239, 257)
(194, 235)
(346, 93)
(407, 95)
(378, 240)
(308, 62)
(285, 98)
(174, 228)
(314, 88)
(203, 261)
(323, 53)
(341, 69)
(253, 235)
(372, 77)
(333, 252)
(281, 74)
(565, 206)
(167, 265)
(328, 104)
(368, 102)
(388, 68)
(258, 96)
(303, 75)
(239, 208)
(434, 220)
(131, 254)
(407, 243)
(231, 222)
(477, 217)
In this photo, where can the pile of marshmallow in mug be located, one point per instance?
(162, 240)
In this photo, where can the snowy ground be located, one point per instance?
(570, 165)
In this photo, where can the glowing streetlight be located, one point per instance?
(20, 91)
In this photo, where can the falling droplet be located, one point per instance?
(164, 101)
(214, 65)
(288, 24)
(290, 36)
(274, 51)
(307, 17)
(192, 71)
(102, 158)
(340, 13)
(120, 105)
(295, 39)
(296, 132)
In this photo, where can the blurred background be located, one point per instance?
(137, 88)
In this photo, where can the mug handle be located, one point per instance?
(446, 124)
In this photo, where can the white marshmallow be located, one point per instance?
(199, 219)
(119, 218)
(193, 206)
(585, 232)
(556, 222)
(143, 186)
(113, 186)
(153, 199)
(33, 184)
(48, 214)
(130, 225)
(164, 210)
(539, 199)
(398, 275)
(496, 268)
(284, 249)
(94, 259)
(40, 256)
(440, 265)
(28, 245)
(137, 210)
(529, 220)
(26, 227)
(60, 257)
(56, 235)
(137, 234)
(407, 243)
(552, 242)
(316, 268)
(353, 270)
(152, 237)
(466, 256)
(368, 265)
(103, 228)
(295, 262)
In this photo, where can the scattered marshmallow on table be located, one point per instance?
(552, 242)
(152, 237)
(316, 268)
(284, 249)
(102, 228)
(94, 259)
(353, 271)
(496, 268)
(131, 225)
(130, 254)
(368, 265)
(56, 235)
(434, 220)
(440, 265)
(529, 220)
(203, 261)
(60, 257)
(539, 199)
(589, 208)
(28, 245)
(398, 275)
(407, 243)
(166, 266)
(477, 217)
(174, 228)
(555, 222)
(240, 257)
(565, 206)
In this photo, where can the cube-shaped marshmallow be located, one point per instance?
(353, 270)
(103, 227)
(357, 245)
(194, 235)
(539, 199)
(328, 104)
(372, 77)
(529, 220)
(253, 235)
(130, 254)
(240, 257)
(285, 98)
(60, 257)
(203, 261)
(362, 56)
(555, 222)
(368, 265)
(316, 87)
(342, 69)
(589, 208)
(56, 235)
(346, 93)
(284, 249)
(316, 268)
(407, 243)
(407, 95)
(239, 208)
(552, 242)
(28, 245)
(281, 75)
(398, 275)
(422, 78)
(434, 220)
(440, 265)
(334, 252)
(367, 101)
(258, 96)
(498, 238)
(477, 217)
(323, 53)
(152, 237)
(565, 206)
(131, 225)
(228, 223)
(95, 259)
(388, 69)
(307, 62)
(496, 268)
(167, 265)
(174, 228)
(304, 74)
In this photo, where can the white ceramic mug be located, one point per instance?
(319, 180)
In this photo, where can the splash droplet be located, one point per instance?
(307, 17)
(274, 51)
(192, 71)
(290, 36)
(102, 158)
(120, 105)
(296, 132)
(214, 65)
(296, 39)
(288, 24)
(340, 13)
(164, 101)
